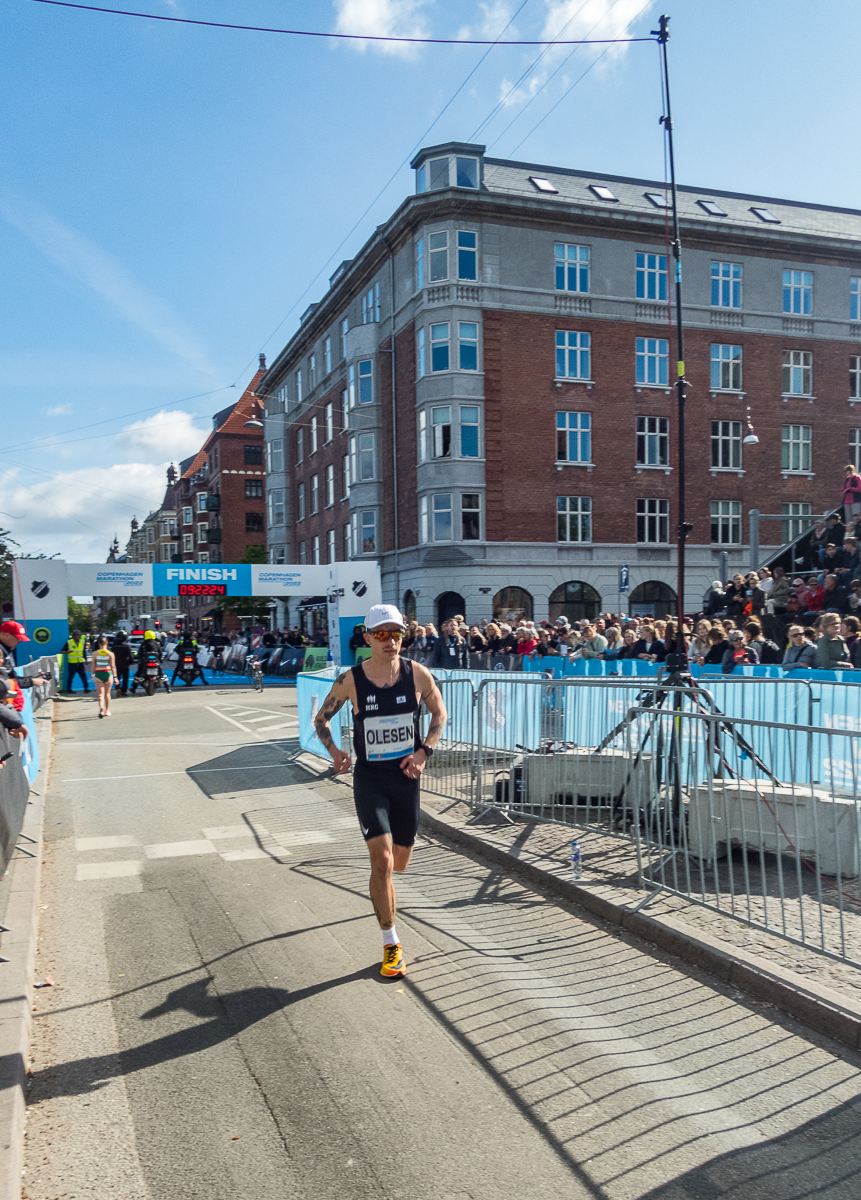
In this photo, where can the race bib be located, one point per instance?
(389, 737)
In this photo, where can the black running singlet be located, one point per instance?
(386, 725)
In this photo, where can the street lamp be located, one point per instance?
(750, 438)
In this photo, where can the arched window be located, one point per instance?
(575, 600)
(513, 604)
(409, 605)
(449, 604)
(653, 599)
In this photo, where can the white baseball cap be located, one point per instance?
(383, 614)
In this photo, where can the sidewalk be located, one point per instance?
(819, 991)
(21, 888)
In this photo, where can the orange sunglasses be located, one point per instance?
(383, 635)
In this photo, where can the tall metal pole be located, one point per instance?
(683, 528)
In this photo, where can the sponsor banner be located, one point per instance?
(287, 580)
(109, 579)
(39, 591)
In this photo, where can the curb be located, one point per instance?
(820, 1007)
(16, 976)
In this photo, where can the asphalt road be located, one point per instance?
(218, 1027)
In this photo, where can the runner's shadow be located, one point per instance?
(223, 1017)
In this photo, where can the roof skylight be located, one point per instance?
(712, 208)
(658, 199)
(765, 215)
(602, 192)
(543, 185)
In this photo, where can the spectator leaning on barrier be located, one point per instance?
(594, 643)
(10, 719)
(11, 633)
(718, 643)
(613, 634)
(737, 653)
(800, 654)
(832, 653)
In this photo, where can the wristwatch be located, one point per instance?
(427, 749)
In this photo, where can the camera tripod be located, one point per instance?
(675, 685)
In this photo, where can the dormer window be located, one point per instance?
(437, 173)
(602, 191)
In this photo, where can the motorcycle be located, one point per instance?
(151, 676)
(187, 668)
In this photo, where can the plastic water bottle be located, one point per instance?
(576, 861)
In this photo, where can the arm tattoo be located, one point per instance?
(331, 705)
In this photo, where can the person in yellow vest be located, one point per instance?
(76, 649)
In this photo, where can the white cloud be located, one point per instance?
(571, 20)
(75, 514)
(91, 265)
(172, 433)
(58, 410)
(383, 18)
(495, 15)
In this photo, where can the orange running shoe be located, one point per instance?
(393, 961)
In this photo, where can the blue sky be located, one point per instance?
(171, 192)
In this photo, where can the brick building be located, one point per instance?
(483, 398)
(213, 509)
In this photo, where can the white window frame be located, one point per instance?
(855, 298)
(574, 515)
(573, 350)
(440, 508)
(203, 556)
(796, 449)
(424, 528)
(421, 354)
(188, 543)
(726, 368)
(371, 305)
(330, 485)
(438, 256)
(798, 373)
(467, 252)
(201, 505)
(422, 434)
(574, 432)
(315, 549)
(331, 550)
(275, 454)
(276, 501)
(653, 521)
(314, 439)
(439, 341)
(361, 521)
(855, 448)
(467, 341)
(725, 521)
(726, 285)
(798, 292)
(653, 442)
(344, 330)
(202, 528)
(348, 541)
(651, 276)
(312, 371)
(798, 514)
(420, 263)
(329, 423)
(572, 264)
(855, 377)
(299, 386)
(470, 506)
(468, 423)
(652, 357)
(726, 446)
(300, 445)
(302, 555)
(300, 502)
(314, 495)
(187, 516)
(327, 355)
(345, 469)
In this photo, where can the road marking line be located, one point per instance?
(281, 725)
(108, 870)
(254, 852)
(123, 842)
(267, 717)
(231, 831)
(225, 717)
(179, 849)
(190, 771)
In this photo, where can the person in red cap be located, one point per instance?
(11, 633)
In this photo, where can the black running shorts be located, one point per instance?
(386, 802)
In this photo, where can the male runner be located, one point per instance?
(386, 692)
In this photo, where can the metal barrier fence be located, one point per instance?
(755, 818)
(714, 822)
